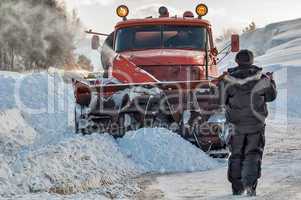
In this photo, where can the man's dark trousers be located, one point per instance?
(245, 160)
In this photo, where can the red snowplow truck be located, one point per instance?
(158, 72)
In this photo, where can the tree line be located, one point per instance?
(36, 34)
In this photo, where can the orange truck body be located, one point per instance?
(165, 64)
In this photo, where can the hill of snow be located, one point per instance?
(275, 44)
(14, 128)
(160, 150)
(278, 43)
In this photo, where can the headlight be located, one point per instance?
(122, 11)
(201, 10)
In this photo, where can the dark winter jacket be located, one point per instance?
(247, 90)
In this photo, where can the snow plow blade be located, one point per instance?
(183, 107)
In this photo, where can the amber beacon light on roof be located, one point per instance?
(201, 10)
(122, 11)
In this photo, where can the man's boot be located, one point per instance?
(237, 192)
(251, 190)
(237, 189)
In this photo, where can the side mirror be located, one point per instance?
(95, 44)
(235, 45)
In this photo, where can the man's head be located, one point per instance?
(182, 34)
(245, 57)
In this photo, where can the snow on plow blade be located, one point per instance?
(183, 107)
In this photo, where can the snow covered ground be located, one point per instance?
(42, 157)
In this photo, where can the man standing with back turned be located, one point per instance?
(247, 90)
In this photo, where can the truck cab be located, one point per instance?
(169, 48)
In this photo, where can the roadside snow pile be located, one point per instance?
(40, 152)
(79, 164)
(7, 86)
(44, 99)
(13, 128)
(159, 150)
(15, 134)
(48, 103)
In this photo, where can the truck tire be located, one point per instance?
(76, 127)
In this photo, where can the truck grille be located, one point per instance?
(174, 72)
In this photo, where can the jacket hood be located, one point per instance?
(243, 74)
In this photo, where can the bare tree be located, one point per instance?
(85, 63)
(250, 28)
(36, 34)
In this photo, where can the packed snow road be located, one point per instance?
(281, 173)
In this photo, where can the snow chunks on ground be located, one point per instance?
(48, 101)
(161, 151)
(44, 99)
(14, 128)
(15, 133)
(98, 163)
(77, 164)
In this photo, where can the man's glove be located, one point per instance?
(270, 75)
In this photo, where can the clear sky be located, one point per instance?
(100, 15)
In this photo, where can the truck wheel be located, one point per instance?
(123, 125)
(76, 126)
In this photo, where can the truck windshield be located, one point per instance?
(156, 37)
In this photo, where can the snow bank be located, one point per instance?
(78, 164)
(7, 85)
(14, 128)
(45, 101)
(48, 106)
(159, 150)
(15, 134)
(40, 152)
